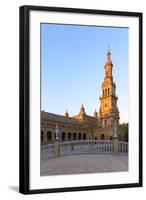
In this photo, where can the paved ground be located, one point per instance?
(84, 164)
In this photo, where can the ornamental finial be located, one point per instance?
(82, 109)
(95, 113)
(108, 52)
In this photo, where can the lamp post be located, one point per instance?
(57, 133)
(57, 142)
(115, 140)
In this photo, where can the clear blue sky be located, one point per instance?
(72, 67)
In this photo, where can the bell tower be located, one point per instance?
(108, 112)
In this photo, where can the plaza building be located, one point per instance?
(99, 126)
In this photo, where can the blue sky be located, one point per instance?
(72, 67)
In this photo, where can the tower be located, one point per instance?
(108, 112)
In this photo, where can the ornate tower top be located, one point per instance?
(108, 53)
(82, 110)
(108, 65)
(81, 114)
(95, 113)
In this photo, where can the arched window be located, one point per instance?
(80, 136)
(42, 136)
(111, 137)
(69, 136)
(84, 136)
(63, 136)
(103, 92)
(95, 138)
(74, 136)
(49, 136)
(102, 136)
(108, 91)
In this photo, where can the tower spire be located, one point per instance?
(108, 52)
(108, 65)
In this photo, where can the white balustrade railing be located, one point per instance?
(83, 147)
(47, 151)
(123, 147)
(86, 146)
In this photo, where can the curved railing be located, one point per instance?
(83, 147)
(86, 147)
(47, 151)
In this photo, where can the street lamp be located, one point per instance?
(57, 133)
(115, 135)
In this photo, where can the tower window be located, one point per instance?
(105, 92)
(108, 91)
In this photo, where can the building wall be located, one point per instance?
(70, 132)
(67, 132)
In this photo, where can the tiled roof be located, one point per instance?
(59, 118)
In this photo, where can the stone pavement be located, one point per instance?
(91, 163)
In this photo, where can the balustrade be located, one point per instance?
(123, 147)
(47, 151)
(83, 147)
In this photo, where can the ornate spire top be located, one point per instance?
(66, 114)
(95, 113)
(108, 52)
(82, 110)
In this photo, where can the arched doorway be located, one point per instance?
(102, 136)
(84, 136)
(63, 136)
(74, 136)
(69, 136)
(79, 136)
(49, 136)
